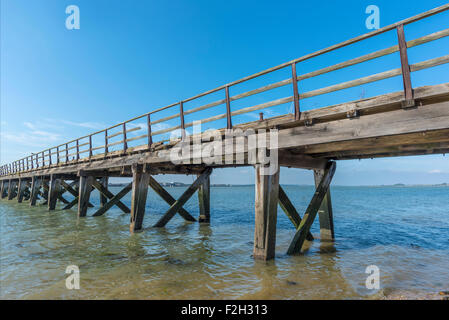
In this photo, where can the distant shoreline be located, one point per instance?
(223, 185)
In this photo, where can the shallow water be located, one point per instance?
(402, 230)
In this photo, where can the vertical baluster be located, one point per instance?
(150, 137)
(66, 152)
(181, 116)
(77, 150)
(57, 155)
(295, 91)
(90, 146)
(228, 109)
(406, 78)
(125, 143)
(106, 149)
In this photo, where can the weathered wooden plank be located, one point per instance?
(266, 203)
(85, 188)
(36, 183)
(12, 189)
(104, 183)
(108, 195)
(46, 188)
(325, 213)
(54, 191)
(167, 197)
(113, 201)
(312, 210)
(422, 119)
(405, 67)
(183, 199)
(3, 189)
(204, 201)
(20, 190)
(140, 184)
(290, 210)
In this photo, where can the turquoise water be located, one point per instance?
(402, 230)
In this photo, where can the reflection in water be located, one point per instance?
(398, 229)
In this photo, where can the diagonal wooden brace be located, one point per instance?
(113, 201)
(312, 210)
(108, 194)
(47, 189)
(169, 199)
(183, 199)
(69, 188)
(289, 209)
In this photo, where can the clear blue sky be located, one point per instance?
(130, 57)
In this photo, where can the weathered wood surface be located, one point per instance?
(312, 210)
(139, 193)
(183, 199)
(36, 184)
(85, 188)
(290, 210)
(108, 195)
(266, 203)
(325, 213)
(114, 200)
(167, 197)
(204, 201)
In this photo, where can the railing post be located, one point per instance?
(43, 159)
(295, 91)
(125, 143)
(66, 152)
(408, 90)
(150, 137)
(28, 164)
(32, 165)
(90, 146)
(57, 155)
(181, 116)
(228, 109)
(77, 149)
(106, 149)
(49, 157)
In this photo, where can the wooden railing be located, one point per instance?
(75, 150)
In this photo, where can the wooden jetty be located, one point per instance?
(414, 121)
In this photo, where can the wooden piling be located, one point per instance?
(266, 203)
(3, 189)
(204, 201)
(36, 183)
(325, 213)
(104, 182)
(53, 191)
(141, 181)
(20, 190)
(12, 189)
(85, 188)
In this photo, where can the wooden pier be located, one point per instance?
(414, 121)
